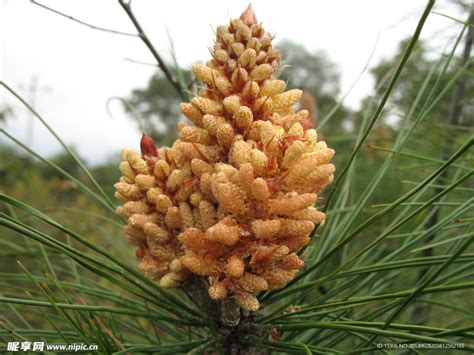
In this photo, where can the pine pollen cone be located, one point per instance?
(233, 198)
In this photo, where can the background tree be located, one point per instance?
(5, 113)
(157, 105)
(315, 73)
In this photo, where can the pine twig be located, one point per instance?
(84, 23)
(140, 62)
(141, 34)
(128, 9)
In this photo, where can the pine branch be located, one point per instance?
(126, 5)
(69, 17)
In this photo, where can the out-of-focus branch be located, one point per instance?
(453, 18)
(141, 34)
(140, 62)
(128, 9)
(84, 23)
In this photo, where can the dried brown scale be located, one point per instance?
(232, 199)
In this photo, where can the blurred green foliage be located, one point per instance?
(158, 107)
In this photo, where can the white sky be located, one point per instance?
(79, 69)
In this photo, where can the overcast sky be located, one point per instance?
(79, 69)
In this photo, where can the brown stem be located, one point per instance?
(232, 324)
(69, 17)
(128, 9)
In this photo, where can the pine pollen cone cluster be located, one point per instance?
(232, 199)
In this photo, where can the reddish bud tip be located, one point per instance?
(248, 16)
(274, 184)
(148, 146)
(306, 124)
(140, 253)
